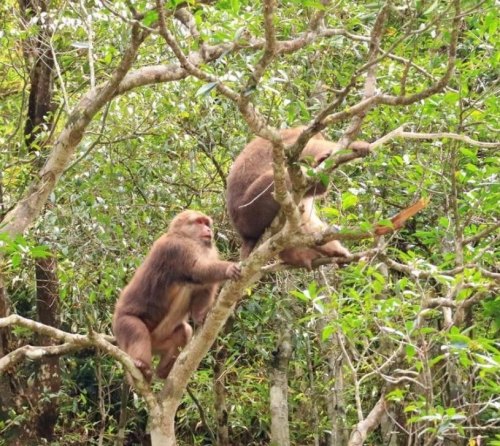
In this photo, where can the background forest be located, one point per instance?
(117, 115)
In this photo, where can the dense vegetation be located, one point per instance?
(404, 340)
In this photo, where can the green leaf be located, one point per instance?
(150, 17)
(468, 153)
(324, 178)
(349, 200)
(410, 351)
(327, 332)
(300, 295)
(40, 252)
(444, 222)
(205, 89)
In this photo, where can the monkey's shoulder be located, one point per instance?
(181, 250)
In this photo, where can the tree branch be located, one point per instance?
(400, 133)
(370, 423)
(73, 342)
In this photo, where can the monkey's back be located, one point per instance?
(255, 159)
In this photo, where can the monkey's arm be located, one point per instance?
(188, 261)
(213, 271)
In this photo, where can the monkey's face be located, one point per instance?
(202, 230)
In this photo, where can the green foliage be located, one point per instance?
(160, 149)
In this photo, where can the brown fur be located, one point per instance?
(178, 278)
(252, 207)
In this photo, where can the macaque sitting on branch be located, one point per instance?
(252, 208)
(178, 279)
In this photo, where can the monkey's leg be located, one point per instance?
(300, 257)
(333, 249)
(303, 257)
(201, 302)
(170, 348)
(134, 338)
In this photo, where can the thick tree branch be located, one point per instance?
(370, 423)
(34, 353)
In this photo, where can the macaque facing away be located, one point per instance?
(252, 208)
(178, 279)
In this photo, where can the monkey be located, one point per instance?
(178, 279)
(251, 205)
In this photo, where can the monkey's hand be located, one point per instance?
(233, 271)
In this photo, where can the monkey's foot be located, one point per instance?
(334, 249)
(145, 369)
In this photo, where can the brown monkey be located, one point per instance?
(252, 207)
(178, 278)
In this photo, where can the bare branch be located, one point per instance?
(73, 342)
(269, 52)
(441, 83)
(371, 77)
(34, 353)
(370, 423)
(186, 18)
(318, 17)
(368, 102)
(400, 133)
(480, 235)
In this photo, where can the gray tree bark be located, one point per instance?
(280, 432)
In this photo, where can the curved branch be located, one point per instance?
(73, 342)
(370, 423)
(400, 133)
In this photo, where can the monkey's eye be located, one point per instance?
(203, 221)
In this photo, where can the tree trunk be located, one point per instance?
(280, 434)
(162, 428)
(49, 375)
(336, 403)
(220, 395)
(369, 424)
(39, 57)
(6, 397)
(122, 423)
